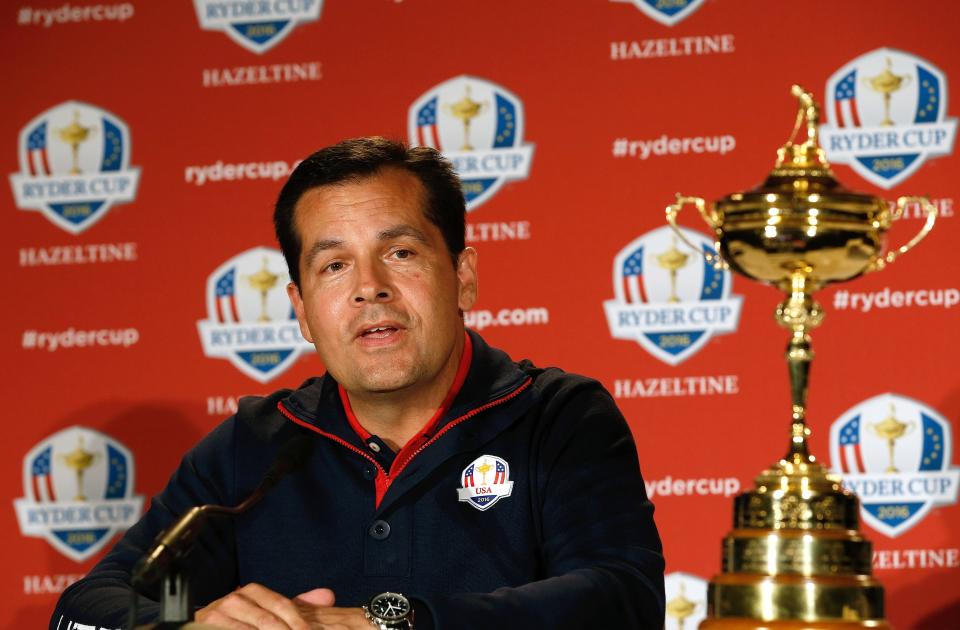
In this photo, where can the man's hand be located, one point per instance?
(255, 607)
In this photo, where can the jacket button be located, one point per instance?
(380, 530)
(369, 472)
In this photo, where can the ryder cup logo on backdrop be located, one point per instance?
(894, 453)
(667, 12)
(686, 598)
(78, 492)
(250, 320)
(668, 298)
(257, 26)
(484, 482)
(478, 125)
(74, 165)
(888, 114)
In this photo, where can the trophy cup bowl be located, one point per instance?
(795, 558)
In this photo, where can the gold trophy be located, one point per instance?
(673, 260)
(79, 460)
(887, 83)
(891, 429)
(74, 134)
(263, 281)
(466, 109)
(795, 558)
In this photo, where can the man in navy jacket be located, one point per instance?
(446, 486)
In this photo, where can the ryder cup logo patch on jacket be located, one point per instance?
(74, 165)
(667, 12)
(888, 114)
(668, 298)
(250, 321)
(478, 126)
(78, 491)
(484, 482)
(257, 26)
(894, 453)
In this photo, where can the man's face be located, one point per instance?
(379, 295)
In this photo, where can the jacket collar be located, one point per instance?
(492, 376)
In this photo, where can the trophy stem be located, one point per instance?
(799, 313)
(891, 468)
(75, 150)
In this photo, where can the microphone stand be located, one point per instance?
(165, 560)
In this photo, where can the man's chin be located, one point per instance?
(374, 383)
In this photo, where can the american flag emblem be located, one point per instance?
(427, 125)
(845, 101)
(852, 460)
(468, 477)
(38, 160)
(632, 272)
(226, 293)
(41, 480)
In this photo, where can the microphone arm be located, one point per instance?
(165, 557)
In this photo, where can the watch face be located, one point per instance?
(390, 606)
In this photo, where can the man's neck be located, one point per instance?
(397, 416)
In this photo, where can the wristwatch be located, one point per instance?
(389, 611)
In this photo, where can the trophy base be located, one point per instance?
(795, 598)
(790, 624)
(795, 559)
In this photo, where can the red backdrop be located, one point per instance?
(589, 117)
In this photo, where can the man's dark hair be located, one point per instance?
(355, 159)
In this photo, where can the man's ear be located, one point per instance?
(293, 292)
(467, 278)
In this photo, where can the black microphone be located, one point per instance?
(172, 544)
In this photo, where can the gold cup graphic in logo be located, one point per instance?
(680, 607)
(886, 83)
(75, 134)
(263, 281)
(891, 430)
(79, 460)
(483, 469)
(466, 109)
(673, 260)
(795, 557)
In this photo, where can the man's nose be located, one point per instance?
(373, 283)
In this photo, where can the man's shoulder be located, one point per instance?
(263, 415)
(555, 381)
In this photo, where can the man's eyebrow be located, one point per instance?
(402, 230)
(320, 246)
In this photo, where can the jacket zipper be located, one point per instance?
(470, 414)
(464, 418)
(291, 416)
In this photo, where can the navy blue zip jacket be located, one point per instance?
(574, 544)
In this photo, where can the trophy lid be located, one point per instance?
(801, 177)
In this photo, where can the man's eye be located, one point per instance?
(403, 253)
(334, 266)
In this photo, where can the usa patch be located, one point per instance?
(484, 482)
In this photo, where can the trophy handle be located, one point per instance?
(711, 219)
(931, 210)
